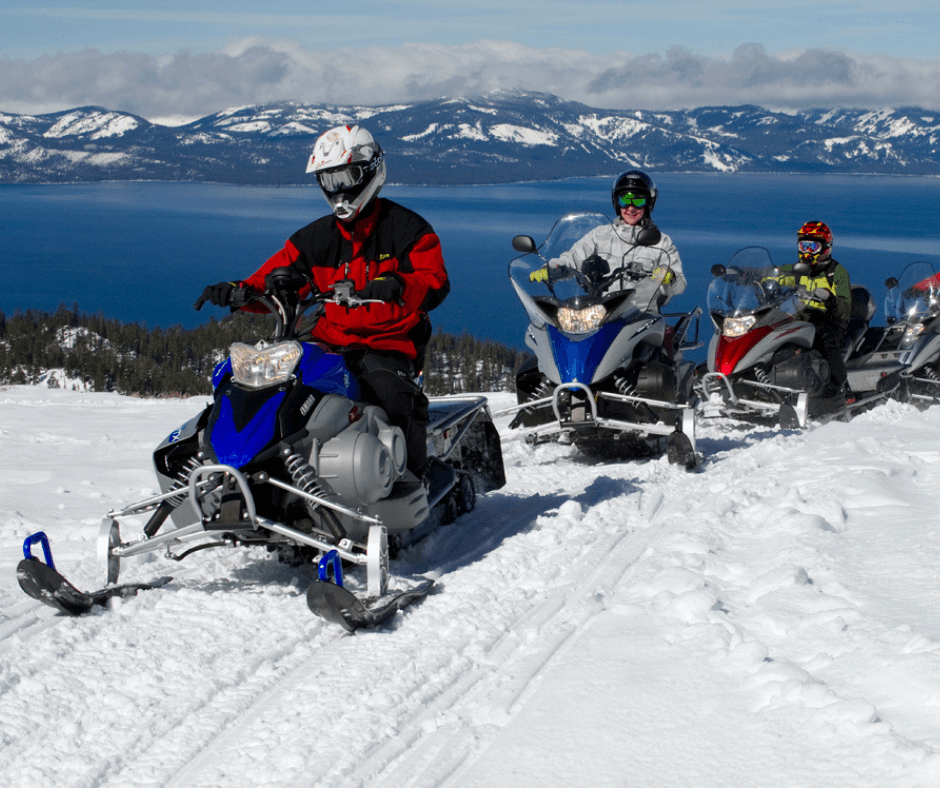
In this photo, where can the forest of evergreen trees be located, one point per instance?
(101, 354)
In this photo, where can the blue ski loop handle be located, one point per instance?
(39, 536)
(331, 559)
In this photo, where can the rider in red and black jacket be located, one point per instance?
(391, 254)
(388, 246)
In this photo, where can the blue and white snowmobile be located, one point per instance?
(289, 457)
(608, 373)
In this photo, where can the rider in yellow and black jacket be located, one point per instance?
(828, 305)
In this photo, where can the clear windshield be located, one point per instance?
(749, 284)
(916, 296)
(572, 268)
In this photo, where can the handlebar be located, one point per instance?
(281, 298)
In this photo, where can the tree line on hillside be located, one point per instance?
(89, 351)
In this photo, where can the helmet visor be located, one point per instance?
(809, 247)
(342, 179)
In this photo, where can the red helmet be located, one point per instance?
(814, 242)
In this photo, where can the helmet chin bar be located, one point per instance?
(342, 209)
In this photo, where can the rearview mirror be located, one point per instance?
(523, 244)
(718, 270)
(649, 236)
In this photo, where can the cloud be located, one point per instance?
(252, 71)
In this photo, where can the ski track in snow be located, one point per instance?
(767, 620)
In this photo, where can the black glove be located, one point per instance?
(595, 267)
(233, 294)
(382, 288)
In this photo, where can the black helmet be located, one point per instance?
(634, 181)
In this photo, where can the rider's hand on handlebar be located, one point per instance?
(539, 275)
(233, 294)
(822, 294)
(382, 288)
(662, 275)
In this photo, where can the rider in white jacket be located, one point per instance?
(620, 244)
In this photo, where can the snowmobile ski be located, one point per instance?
(44, 583)
(340, 606)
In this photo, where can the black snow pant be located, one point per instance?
(830, 342)
(387, 380)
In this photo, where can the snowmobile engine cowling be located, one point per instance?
(358, 467)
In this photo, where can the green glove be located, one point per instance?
(662, 275)
(541, 275)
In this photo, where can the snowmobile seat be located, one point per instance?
(863, 309)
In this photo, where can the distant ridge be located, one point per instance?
(498, 138)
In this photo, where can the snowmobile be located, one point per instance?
(288, 457)
(761, 363)
(912, 311)
(608, 373)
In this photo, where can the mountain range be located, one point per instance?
(498, 138)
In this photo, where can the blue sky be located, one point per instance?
(167, 58)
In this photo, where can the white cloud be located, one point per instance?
(260, 70)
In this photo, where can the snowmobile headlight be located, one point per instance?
(910, 335)
(257, 366)
(738, 326)
(581, 321)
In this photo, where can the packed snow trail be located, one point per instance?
(768, 620)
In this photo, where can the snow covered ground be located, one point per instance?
(769, 620)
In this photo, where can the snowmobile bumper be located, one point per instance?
(206, 481)
(587, 419)
(793, 407)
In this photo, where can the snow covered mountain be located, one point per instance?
(501, 137)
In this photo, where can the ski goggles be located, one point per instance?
(347, 177)
(809, 247)
(341, 180)
(626, 199)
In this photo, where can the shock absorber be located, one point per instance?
(763, 376)
(306, 479)
(624, 386)
(181, 483)
(543, 389)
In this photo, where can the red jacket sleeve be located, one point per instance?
(425, 279)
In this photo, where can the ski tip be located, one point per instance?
(340, 606)
(335, 604)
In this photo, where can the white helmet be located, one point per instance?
(350, 168)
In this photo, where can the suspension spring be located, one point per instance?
(544, 389)
(306, 479)
(624, 386)
(304, 476)
(166, 507)
(761, 374)
(930, 372)
(182, 479)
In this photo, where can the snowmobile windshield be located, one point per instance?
(750, 283)
(917, 295)
(584, 262)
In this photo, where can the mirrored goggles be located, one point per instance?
(342, 179)
(627, 199)
(809, 247)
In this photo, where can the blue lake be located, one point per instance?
(142, 252)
